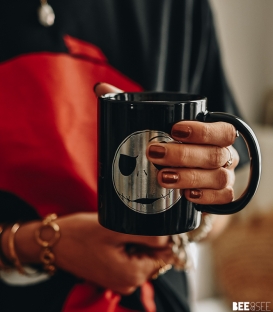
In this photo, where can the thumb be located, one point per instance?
(102, 88)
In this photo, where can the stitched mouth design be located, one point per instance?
(145, 201)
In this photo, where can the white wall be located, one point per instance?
(245, 30)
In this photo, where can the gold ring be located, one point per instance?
(230, 161)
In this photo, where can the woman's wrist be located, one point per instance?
(25, 245)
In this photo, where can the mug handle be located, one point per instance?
(255, 162)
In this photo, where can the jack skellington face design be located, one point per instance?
(135, 177)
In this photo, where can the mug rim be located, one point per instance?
(153, 97)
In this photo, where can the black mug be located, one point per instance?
(130, 200)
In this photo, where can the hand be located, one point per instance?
(89, 251)
(112, 260)
(196, 165)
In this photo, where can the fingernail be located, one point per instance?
(169, 177)
(95, 86)
(195, 194)
(157, 151)
(181, 131)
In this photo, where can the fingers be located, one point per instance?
(130, 274)
(191, 155)
(103, 88)
(216, 133)
(136, 274)
(209, 196)
(200, 186)
(202, 165)
(186, 178)
(142, 260)
(100, 256)
(132, 271)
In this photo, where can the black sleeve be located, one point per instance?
(14, 209)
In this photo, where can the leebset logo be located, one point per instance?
(251, 306)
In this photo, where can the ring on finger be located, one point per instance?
(230, 160)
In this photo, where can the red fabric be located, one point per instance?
(84, 49)
(147, 297)
(85, 298)
(48, 126)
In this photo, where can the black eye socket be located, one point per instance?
(127, 164)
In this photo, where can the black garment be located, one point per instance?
(171, 294)
(162, 45)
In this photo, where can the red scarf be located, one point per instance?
(48, 124)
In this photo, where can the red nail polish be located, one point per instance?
(169, 177)
(181, 131)
(157, 151)
(195, 194)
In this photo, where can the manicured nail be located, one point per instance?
(196, 194)
(95, 86)
(169, 177)
(181, 131)
(157, 151)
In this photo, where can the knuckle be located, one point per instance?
(193, 178)
(217, 156)
(230, 133)
(182, 153)
(229, 194)
(235, 155)
(206, 133)
(211, 197)
(216, 197)
(222, 178)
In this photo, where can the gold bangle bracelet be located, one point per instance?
(11, 244)
(47, 256)
(5, 263)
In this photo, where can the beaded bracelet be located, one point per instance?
(181, 251)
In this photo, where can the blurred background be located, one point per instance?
(244, 32)
(238, 265)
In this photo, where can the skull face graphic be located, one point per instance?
(135, 177)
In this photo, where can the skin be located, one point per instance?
(123, 262)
